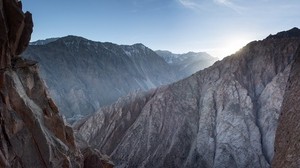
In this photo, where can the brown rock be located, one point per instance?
(15, 22)
(287, 142)
(32, 132)
(16, 29)
(26, 34)
(94, 159)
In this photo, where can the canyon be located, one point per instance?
(242, 111)
(223, 116)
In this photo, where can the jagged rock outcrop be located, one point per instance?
(16, 28)
(93, 159)
(188, 63)
(223, 116)
(84, 75)
(287, 143)
(32, 132)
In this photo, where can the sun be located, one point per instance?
(233, 45)
(230, 45)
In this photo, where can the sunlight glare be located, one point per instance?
(230, 46)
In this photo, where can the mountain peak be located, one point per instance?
(68, 38)
(73, 38)
(292, 33)
(139, 45)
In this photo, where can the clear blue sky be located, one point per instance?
(217, 26)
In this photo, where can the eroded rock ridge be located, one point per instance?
(223, 116)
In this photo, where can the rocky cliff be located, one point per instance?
(84, 75)
(287, 143)
(223, 116)
(32, 131)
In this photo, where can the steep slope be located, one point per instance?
(32, 132)
(223, 116)
(188, 63)
(287, 146)
(84, 75)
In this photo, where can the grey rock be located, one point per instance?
(223, 116)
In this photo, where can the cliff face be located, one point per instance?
(32, 132)
(223, 116)
(287, 146)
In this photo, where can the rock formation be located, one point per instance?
(16, 28)
(32, 131)
(83, 75)
(287, 143)
(223, 116)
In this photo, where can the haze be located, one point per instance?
(219, 27)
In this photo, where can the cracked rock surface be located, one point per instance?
(32, 132)
(223, 116)
(287, 146)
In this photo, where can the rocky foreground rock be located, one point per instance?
(32, 132)
(287, 143)
(223, 116)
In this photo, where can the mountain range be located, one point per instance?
(83, 75)
(223, 116)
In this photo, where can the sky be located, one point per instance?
(219, 27)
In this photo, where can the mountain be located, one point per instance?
(84, 75)
(188, 63)
(43, 42)
(287, 144)
(223, 116)
(32, 131)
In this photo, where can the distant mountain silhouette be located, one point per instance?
(188, 63)
(83, 75)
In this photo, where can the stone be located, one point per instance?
(223, 116)
(287, 146)
(32, 131)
